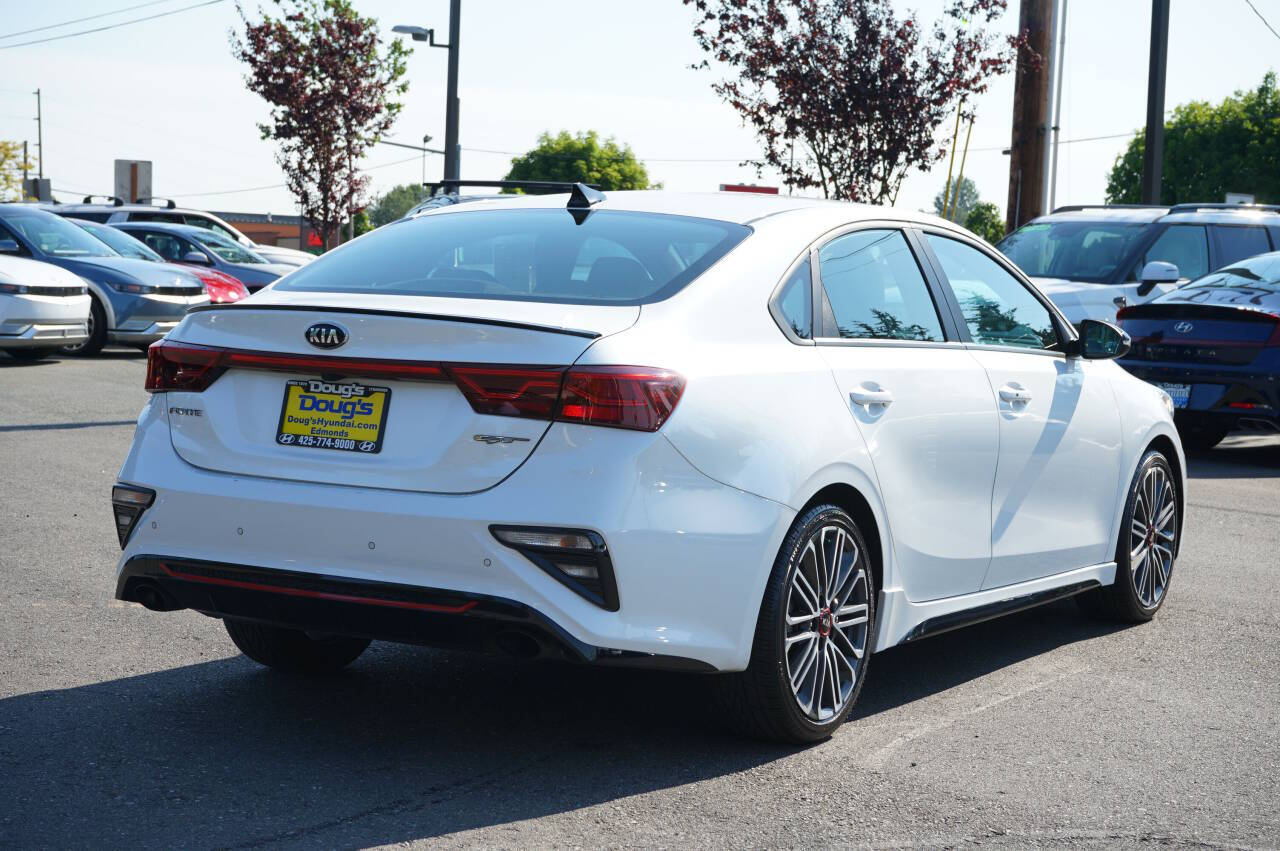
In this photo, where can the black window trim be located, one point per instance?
(1066, 332)
(824, 317)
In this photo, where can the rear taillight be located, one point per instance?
(633, 397)
(509, 391)
(182, 366)
(620, 396)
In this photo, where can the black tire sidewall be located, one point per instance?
(98, 338)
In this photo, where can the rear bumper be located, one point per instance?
(1221, 397)
(377, 610)
(690, 556)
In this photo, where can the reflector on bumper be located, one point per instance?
(128, 502)
(578, 559)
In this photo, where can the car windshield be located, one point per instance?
(55, 235)
(1074, 250)
(232, 252)
(210, 224)
(120, 242)
(611, 257)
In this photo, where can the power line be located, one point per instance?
(278, 185)
(87, 18)
(112, 26)
(1264, 20)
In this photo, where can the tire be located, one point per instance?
(292, 650)
(97, 332)
(29, 355)
(1143, 571)
(760, 701)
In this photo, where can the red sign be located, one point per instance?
(743, 187)
(313, 240)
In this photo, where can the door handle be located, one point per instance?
(867, 398)
(1015, 394)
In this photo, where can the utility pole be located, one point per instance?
(451, 152)
(1030, 116)
(1153, 148)
(40, 138)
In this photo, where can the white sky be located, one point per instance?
(169, 91)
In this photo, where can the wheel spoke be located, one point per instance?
(851, 647)
(800, 582)
(851, 615)
(801, 636)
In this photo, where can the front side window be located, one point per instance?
(998, 309)
(612, 257)
(168, 246)
(795, 302)
(1185, 246)
(876, 288)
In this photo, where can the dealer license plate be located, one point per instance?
(333, 415)
(1179, 393)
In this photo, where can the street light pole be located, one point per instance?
(451, 152)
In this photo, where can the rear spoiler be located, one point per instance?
(406, 314)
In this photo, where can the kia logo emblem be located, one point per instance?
(326, 335)
(1183, 327)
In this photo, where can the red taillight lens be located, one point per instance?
(620, 396)
(182, 366)
(510, 391)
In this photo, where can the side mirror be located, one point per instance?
(1099, 341)
(1157, 272)
(10, 246)
(197, 258)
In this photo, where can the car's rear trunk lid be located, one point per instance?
(338, 417)
(1197, 333)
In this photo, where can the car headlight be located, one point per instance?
(136, 289)
(13, 289)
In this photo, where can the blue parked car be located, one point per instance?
(202, 248)
(134, 302)
(1214, 346)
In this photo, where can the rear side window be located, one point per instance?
(795, 302)
(171, 218)
(613, 257)
(1238, 243)
(876, 288)
(101, 218)
(1185, 246)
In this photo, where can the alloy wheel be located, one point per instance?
(1152, 537)
(827, 618)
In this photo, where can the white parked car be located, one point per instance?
(1094, 260)
(42, 308)
(744, 434)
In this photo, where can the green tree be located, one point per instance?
(581, 158)
(11, 165)
(395, 202)
(964, 205)
(985, 221)
(333, 90)
(1210, 151)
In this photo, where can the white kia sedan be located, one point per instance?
(763, 437)
(42, 307)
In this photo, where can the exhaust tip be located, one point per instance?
(519, 644)
(151, 597)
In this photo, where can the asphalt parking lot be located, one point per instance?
(121, 727)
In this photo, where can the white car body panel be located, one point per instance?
(694, 514)
(32, 320)
(1081, 300)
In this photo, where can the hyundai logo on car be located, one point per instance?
(326, 335)
(1183, 327)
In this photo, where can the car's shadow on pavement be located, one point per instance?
(1241, 457)
(407, 744)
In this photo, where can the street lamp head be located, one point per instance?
(418, 33)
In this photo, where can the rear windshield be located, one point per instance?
(613, 257)
(1074, 250)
